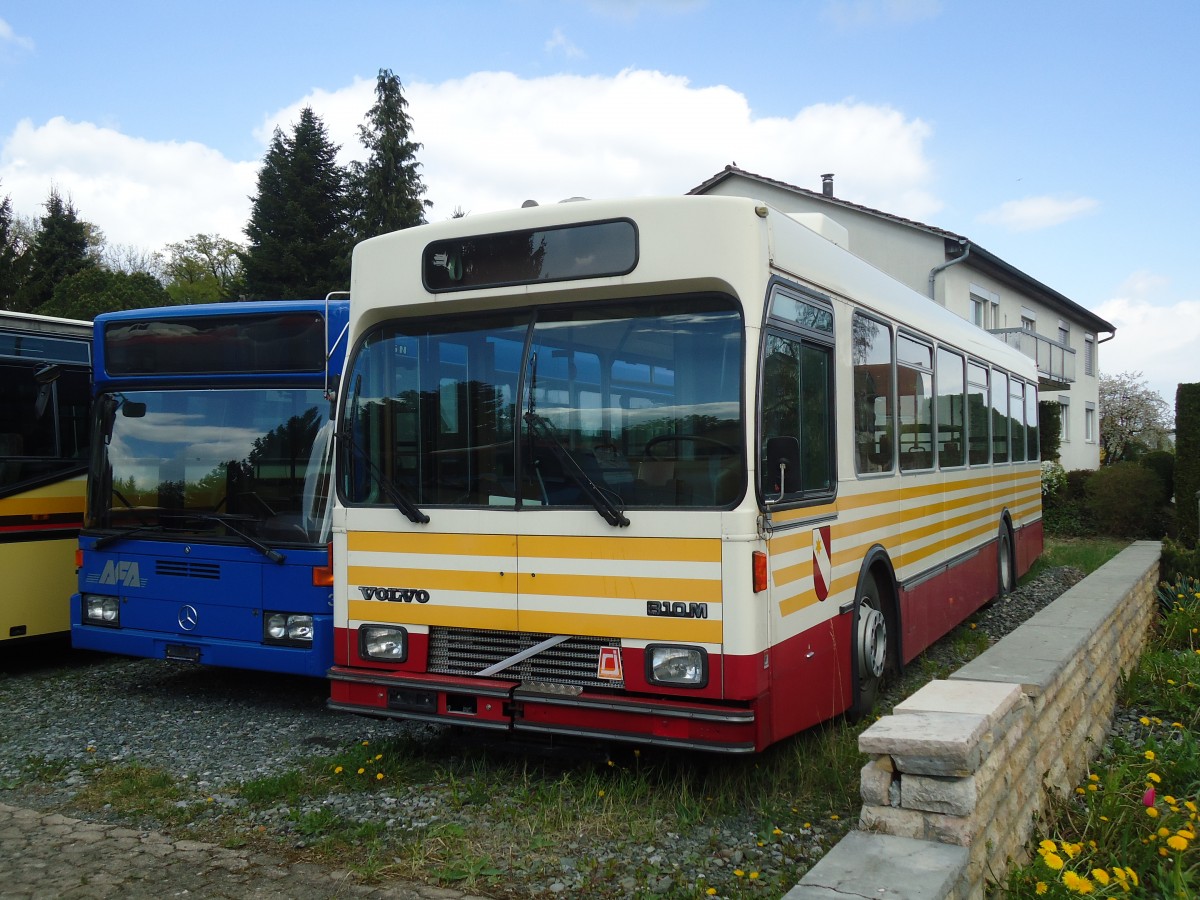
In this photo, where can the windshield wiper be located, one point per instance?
(109, 539)
(612, 514)
(273, 555)
(389, 488)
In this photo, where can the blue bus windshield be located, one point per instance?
(207, 464)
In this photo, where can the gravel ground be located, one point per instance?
(214, 729)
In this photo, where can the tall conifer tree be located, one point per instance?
(299, 243)
(386, 190)
(9, 256)
(59, 250)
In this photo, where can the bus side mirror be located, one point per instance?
(782, 468)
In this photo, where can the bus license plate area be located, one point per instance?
(183, 653)
(449, 705)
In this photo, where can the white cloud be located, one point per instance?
(1157, 339)
(1034, 213)
(560, 43)
(8, 37)
(142, 193)
(491, 140)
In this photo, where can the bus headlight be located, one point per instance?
(98, 610)
(384, 642)
(295, 629)
(676, 666)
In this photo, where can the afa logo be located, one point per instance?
(122, 573)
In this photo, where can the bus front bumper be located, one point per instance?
(548, 709)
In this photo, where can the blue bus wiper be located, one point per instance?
(273, 555)
(109, 539)
(389, 488)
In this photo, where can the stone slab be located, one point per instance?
(992, 700)
(928, 743)
(885, 867)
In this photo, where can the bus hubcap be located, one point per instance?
(872, 642)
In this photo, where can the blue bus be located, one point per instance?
(206, 534)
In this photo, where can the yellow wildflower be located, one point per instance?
(1048, 846)
(1054, 861)
(1149, 754)
(1155, 777)
(337, 770)
(1041, 888)
(379, 776)
(1175, 842)
(361, 770)
(1152, 812)
(711, 891)
(1144, 720)
(1100, 875)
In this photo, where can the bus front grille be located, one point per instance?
(183, 568)
(468, 651)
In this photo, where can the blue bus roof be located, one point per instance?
(335, 338)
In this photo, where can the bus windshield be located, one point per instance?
(616, 405)
(216, 464)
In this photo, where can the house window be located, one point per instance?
(1089, 354)
(1064, 418)
(1028, 319)
(1064, 334)
(1089, 422)
(978, 312)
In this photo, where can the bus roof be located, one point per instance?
(684, 243)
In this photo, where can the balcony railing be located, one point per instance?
(1055, 361)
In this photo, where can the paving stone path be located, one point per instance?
(48, 855)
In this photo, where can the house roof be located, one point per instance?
(980, 258)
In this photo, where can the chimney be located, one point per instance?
(827, 184)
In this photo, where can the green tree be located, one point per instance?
(386, 191)
(205, 268)
(299, 242)
(1187, 461)
(94, 290)
(10, 256)
(59, 250)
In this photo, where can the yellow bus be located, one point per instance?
(678, 471)
(45, 367)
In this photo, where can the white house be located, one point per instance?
(954, 271)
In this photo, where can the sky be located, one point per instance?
(1060, 136)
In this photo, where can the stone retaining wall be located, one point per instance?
(965, 764)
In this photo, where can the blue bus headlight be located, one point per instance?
(295, 629)
(98, 610)
(676, 666)
(384, 642)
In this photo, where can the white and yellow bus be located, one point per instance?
(45, 370)
(680, 471)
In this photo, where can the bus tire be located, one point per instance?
(1006, 568)
(872, 645)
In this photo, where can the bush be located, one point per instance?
(1162, 463)
(1178, 561)
(1187, 462)
(1126, 501)
(1054, 480)
(1077, 480)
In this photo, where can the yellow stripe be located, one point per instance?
(428, 614)
(664, 549)
(40, 506)
(695, 590)
(433, 543)
(649, 628)
(434, 579)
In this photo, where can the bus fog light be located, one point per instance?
(98, 610)
(386, 642)
(677, 666)
(295, 629)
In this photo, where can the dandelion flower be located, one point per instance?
(361, 770)
(600, 793)
(1054, 861)
(1100, 875)
(379, 776)
(378, 756)
(1093, 787)
(738, 872)
(1144, 720)
(1093, 777)
(1175, 842)
(1149, 754)
(1048, 846)
(337, 770)
(835, 817)
(711, 891)
(777, 832)
(1152, 812)
(1168, 799)
(1155, 777)
(1041, 888)
(753, 875)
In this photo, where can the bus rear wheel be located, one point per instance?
(871, 646)
(1006, 569)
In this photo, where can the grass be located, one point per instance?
(1131, 827)
(461, 810)
(1087, 554)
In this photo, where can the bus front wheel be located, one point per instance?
(870, 646)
